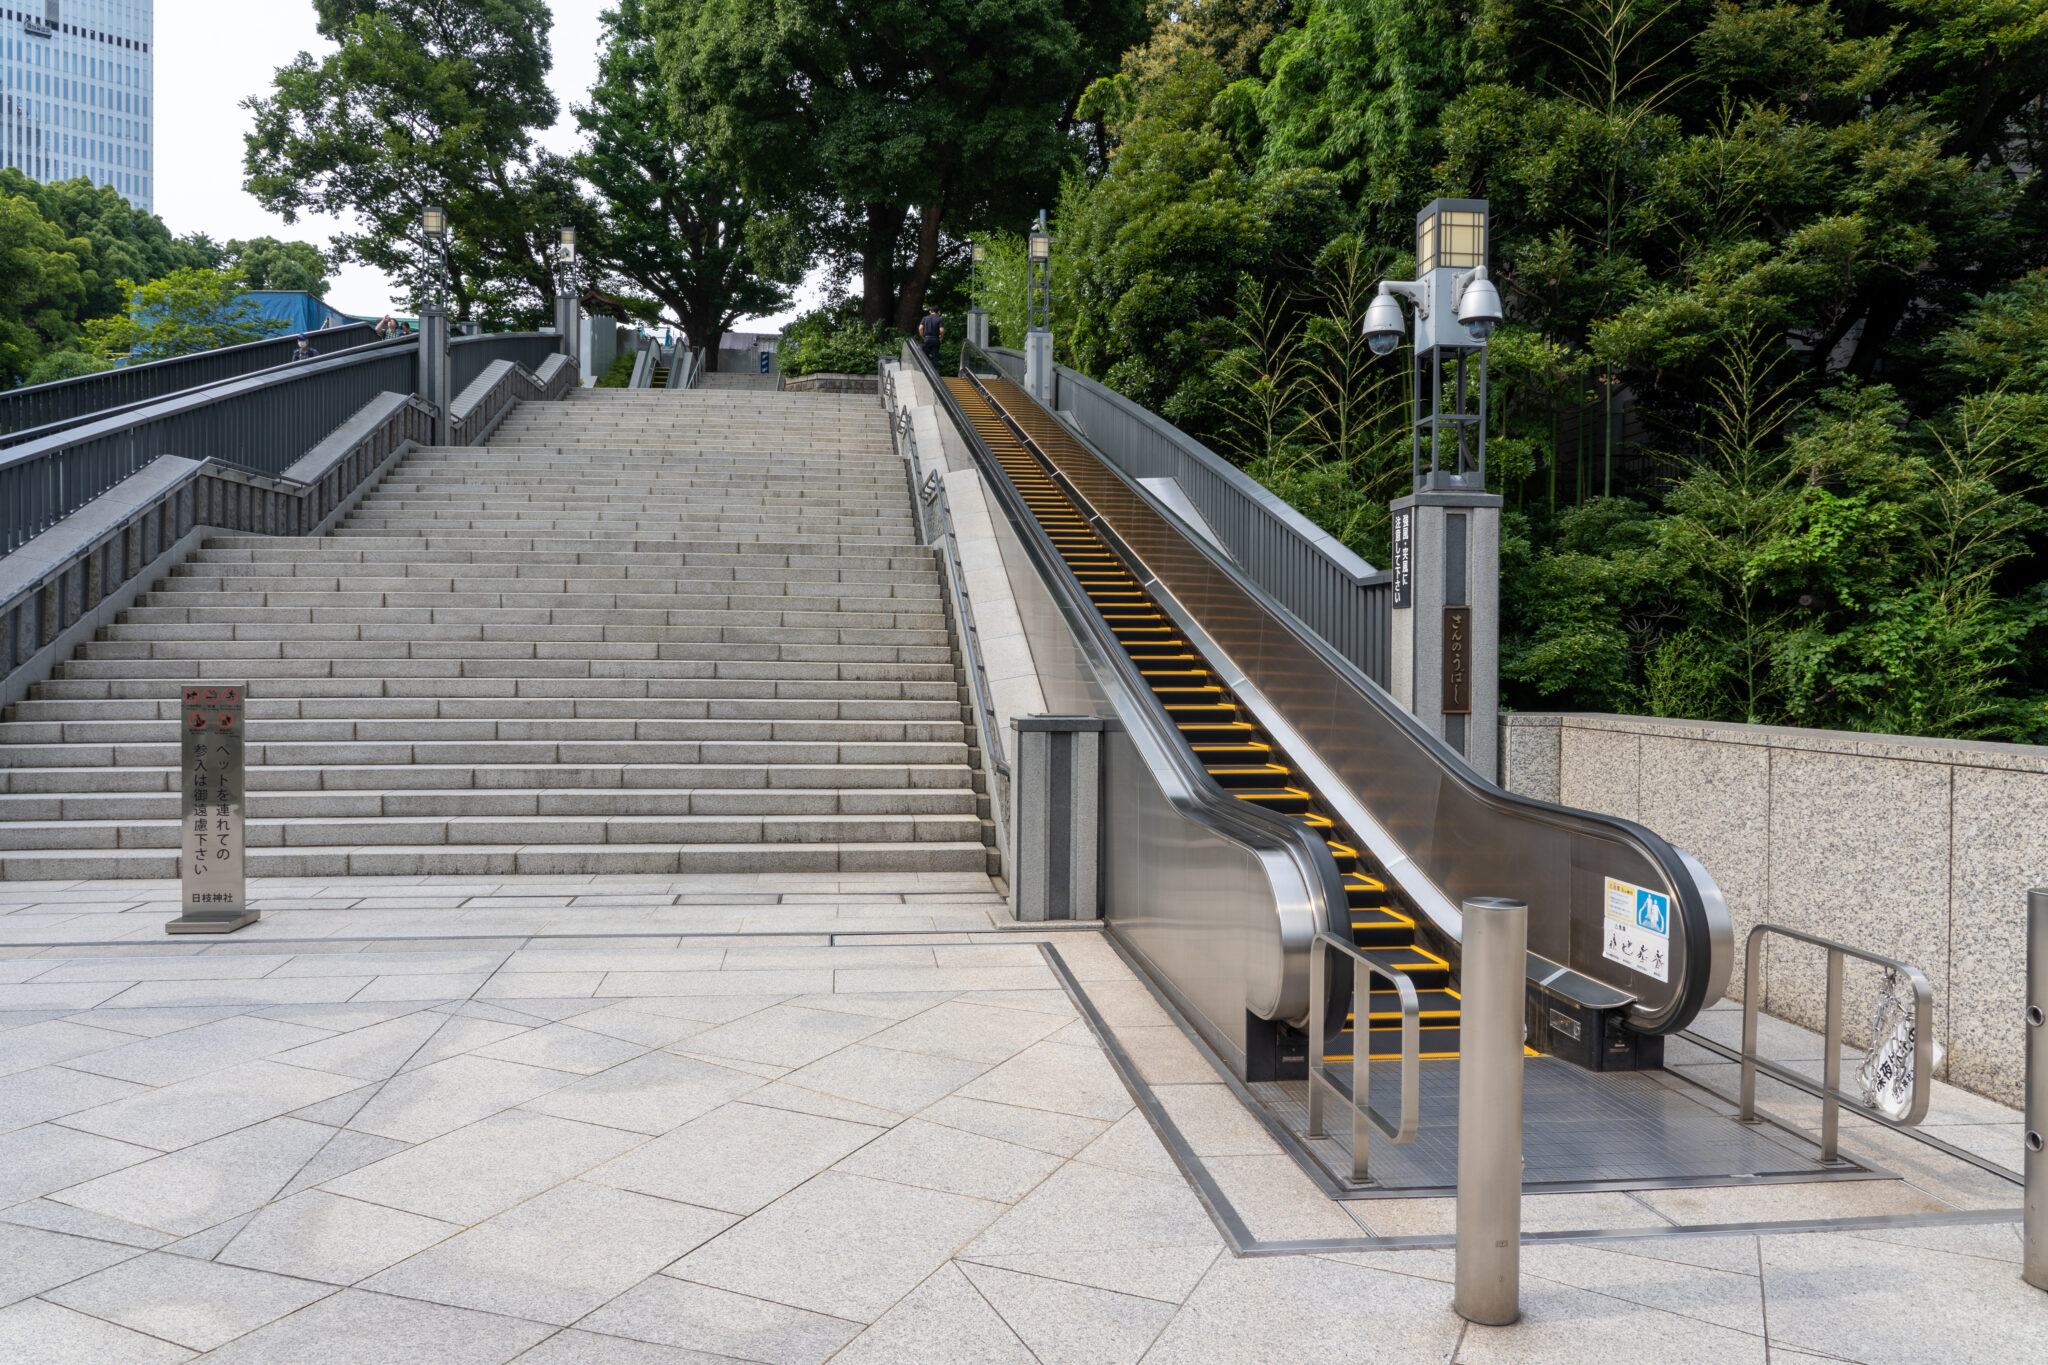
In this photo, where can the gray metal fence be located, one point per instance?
(23, 411)
(1335, 593)
(469, 357)
(263, 422)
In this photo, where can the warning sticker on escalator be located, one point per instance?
(1638, 929)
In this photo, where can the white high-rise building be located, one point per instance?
(77, 92)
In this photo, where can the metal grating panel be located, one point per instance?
(1581, 1130)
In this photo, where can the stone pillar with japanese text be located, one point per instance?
(1446, 619)
(213, 880)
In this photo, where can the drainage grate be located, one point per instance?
(1581, 1131)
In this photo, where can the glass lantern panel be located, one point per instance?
(1464, 240)
(1425, 245)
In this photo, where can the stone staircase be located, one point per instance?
(634, 633)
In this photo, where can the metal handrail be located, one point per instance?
(1362, 1112)
(42, 409)
(1832, 1097)
(643, 367)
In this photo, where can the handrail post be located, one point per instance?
(1752, 1001)
(2034, 1262)
(1831, 1067)
(1489, 1216)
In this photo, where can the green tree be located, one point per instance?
(186, 311)
(119, 241)
(954, 111)
(42, 288)
(672, 221)
(426, 102)
(267, 263)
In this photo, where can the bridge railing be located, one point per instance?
(469, 357)
(24, 411)
(1335, 593)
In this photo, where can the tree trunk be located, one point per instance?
(878, 260)
(911, 307)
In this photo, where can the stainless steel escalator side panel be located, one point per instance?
(1219, 898)
(1460, 836)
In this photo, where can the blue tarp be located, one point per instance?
(298, 310)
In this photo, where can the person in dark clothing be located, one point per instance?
(932, 330)
(305, 350)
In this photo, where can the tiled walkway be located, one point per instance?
(784, 1121)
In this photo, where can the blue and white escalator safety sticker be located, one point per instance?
(1638, 929)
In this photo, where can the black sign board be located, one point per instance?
(1457, 661)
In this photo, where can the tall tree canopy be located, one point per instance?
(427, 102)
(672, 221)
(1773, 267)
(894, 119)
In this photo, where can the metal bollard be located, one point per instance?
(2034, 1264)
(1489, 1256)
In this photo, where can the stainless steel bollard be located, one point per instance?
(1489, 1258)
(2034, 1266)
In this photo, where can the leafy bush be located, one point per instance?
(65, 365)
(620, 373)
(836, 341)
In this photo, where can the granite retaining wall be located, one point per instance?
(1918, 849)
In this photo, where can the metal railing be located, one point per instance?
(469, 357)
(40, 410)
(1364, 1117)
(263, 422)
(1831, 1094)
(1335, 593)
(684, 369)
(643, 365)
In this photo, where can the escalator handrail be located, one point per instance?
(1704, 937)
(1240, 820)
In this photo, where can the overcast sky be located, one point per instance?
(213, 54)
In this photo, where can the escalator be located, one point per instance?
(1234, 750)
(1266, 791)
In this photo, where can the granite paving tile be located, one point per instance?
(1063, 1323)
(446, 1095)
(34, 1261)
(209, 1105)
(370, 1052)
(575, 1347)
(1065, 1080)
(55, 1040)
(468, 1175)
(1059, 1134)
(974, 1033)
(189, 1052)
(904, 1082)
(697, 1317)
(320, 1236)
(738, 1158)
(1562, 1325)
(51, 1092)
(563, 1047)
(48, 1334)
(938, 1158)
(1088, 1208)
(650, 1094)
(193, 1303)
(1309, 1311)
(189, 1191)
(352, 1327)
(784, 1035)
(557, 1256)
(941, 1322)
(840, 1244)
(1722, 1297)
(1884, 1303)
(44, 1157)
(52, 1216)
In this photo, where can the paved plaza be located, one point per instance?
(641, 1120)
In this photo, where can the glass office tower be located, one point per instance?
(77, 94)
